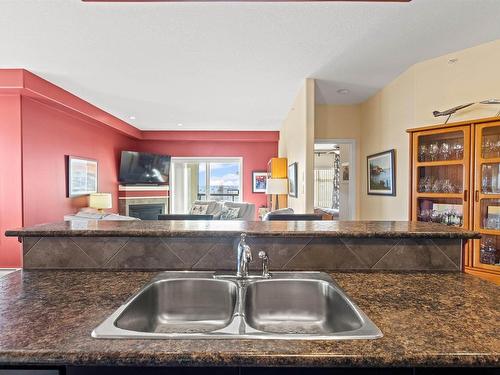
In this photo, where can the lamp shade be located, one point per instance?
(277, 186)
(100, 200)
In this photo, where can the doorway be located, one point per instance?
(335, 177)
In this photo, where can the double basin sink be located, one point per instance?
(289, 305)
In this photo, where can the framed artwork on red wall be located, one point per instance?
(259, 182)
(82, 176)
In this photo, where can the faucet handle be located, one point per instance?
(265, 264)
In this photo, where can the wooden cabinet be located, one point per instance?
(277, 168)
(455, 180)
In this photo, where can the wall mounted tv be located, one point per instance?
(144, 168)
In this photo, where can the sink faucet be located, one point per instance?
(243, 257)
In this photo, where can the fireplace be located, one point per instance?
(143, 202)
(146, 211)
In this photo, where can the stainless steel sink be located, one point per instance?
(310, 307)
(181, 306)
(290, 305)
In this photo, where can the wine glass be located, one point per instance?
(444, 151)
(422, 153)
(433, 151)
(458, 150)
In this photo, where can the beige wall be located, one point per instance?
(297, 144)
(333, 121)
(408, 102)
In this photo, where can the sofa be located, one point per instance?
(221, 210)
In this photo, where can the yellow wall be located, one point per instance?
(333, 121)
(408, 102)
(297, 144)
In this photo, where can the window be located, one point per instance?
(204, 179)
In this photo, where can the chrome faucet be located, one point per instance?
(243, 257)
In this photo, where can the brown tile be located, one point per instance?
(222, 256)
(451, 247)
(145, 253)
(415, 254)
(279, 250)
(28, 243)
(189, 250)
(57, 252)
(325, 254)
(100, 249)
(370, 250)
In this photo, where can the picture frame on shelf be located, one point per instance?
(82, 176)
(292, 180)
(259, 182)
(381, 173)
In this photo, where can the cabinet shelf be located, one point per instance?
(440, 195)
(438, 163)
(488, 160)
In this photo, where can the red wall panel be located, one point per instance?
(49, 135)
(10, 179)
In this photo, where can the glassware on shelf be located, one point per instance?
(429, 184)
(441, 146)
(492, 223)
(422, 152)
(488, 252)
(444, 151)
(449, 217)
(437, 186)
(458, 150)
(447, 187)
(490, 178)
(434, 151)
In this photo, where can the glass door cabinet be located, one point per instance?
(441, 176)
(455, 180)
(486, 251)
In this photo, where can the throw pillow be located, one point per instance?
(229, 213)
(199, 209)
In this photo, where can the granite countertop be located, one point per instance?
(428, 319)
(196, 228)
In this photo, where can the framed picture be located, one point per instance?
(82, 176)
(259, 182)
(345, 171)
(292, 180)
(381, 173)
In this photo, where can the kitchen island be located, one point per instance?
(428, 320)
(405, 276)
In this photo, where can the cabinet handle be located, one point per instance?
(465, 195)
(476, 195)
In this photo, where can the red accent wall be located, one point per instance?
(41, 123)
(11, 202)
(50, 134)
(255, 156)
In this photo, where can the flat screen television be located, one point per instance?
(144, 168)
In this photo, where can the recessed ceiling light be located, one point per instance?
(343, 91)
(132, 117)
(453, 60)
(179, 124)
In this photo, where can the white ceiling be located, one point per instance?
(230, 66)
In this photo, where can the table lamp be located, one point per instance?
(277, 186)
(100, 201)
